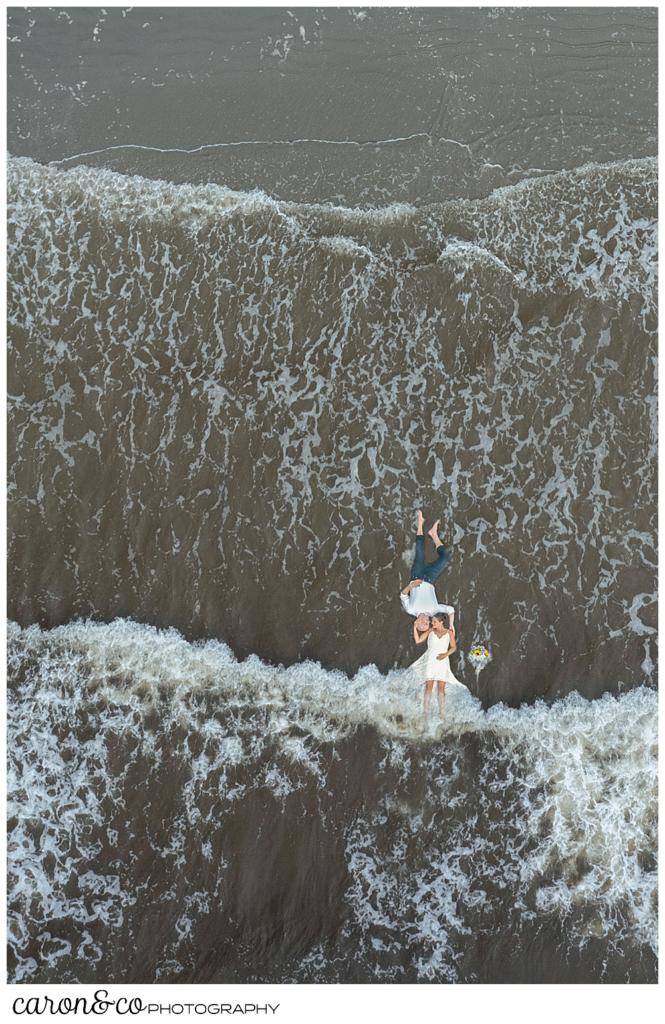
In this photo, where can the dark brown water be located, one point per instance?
(276, 280)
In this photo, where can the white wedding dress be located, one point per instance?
(429, 667)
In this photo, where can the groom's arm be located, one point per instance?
(449, 610)
(404, 596)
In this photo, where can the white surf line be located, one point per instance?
(259, 142)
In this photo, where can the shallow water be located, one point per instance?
(237, 821)
(225, 409)
(275, 280)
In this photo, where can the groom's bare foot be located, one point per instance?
(434, 534)
(420, 519)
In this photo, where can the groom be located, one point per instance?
(419, 596)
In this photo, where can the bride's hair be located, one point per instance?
(442, 617)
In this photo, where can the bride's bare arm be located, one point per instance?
(418, 636)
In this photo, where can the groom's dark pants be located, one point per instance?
(420, 571)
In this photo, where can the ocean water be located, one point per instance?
(277, 279)
(226, 820)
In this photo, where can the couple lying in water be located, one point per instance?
(434, 621)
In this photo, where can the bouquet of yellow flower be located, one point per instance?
(479, 656)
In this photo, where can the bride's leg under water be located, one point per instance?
(441, 695)
(427, 696)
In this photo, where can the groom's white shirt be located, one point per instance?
(422, 600)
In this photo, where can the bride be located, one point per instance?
(434, 665)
